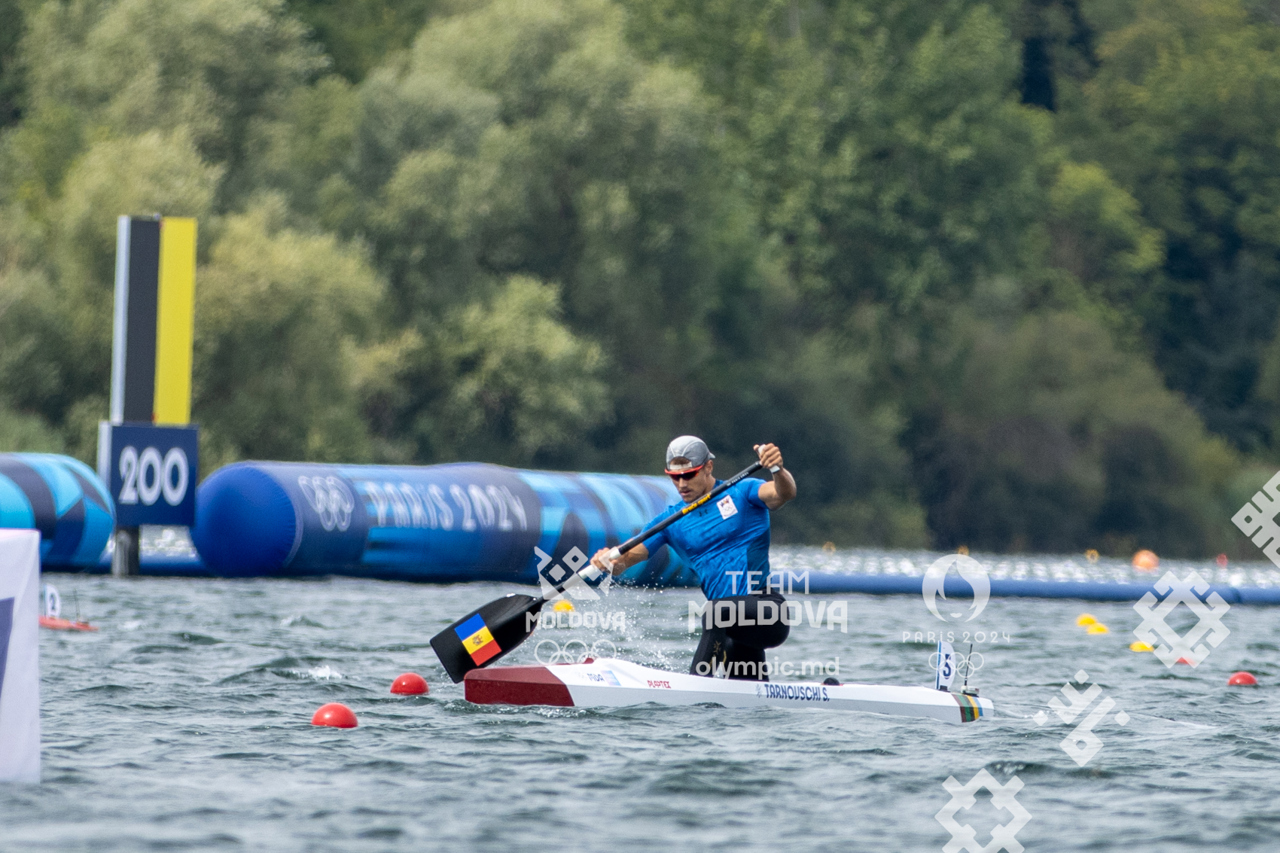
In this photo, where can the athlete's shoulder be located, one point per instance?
(749, 490)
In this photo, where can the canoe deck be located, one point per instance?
(615, 683)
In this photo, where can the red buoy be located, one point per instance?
(335, 714)
(409, 684)
(1242, 679)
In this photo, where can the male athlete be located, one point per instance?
(727, 542)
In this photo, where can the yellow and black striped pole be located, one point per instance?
(146, 450)
(154, 320)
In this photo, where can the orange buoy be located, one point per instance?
(1184, 660)
(1242, 679)
(54, 623)
(334, 714)
(409, 684)
(1145, 561)
(1222, 561)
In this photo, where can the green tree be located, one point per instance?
(358, 35)
(1052, 439)
(886, 148)
(280, 320)
(213, 69)
(527, 139)
(500, 379)
(1098, 234)
(57, 289)
(1184, 113)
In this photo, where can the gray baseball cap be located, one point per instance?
(688, 447)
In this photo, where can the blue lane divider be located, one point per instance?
(823, 583)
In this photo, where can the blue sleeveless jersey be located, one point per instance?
(725, 540)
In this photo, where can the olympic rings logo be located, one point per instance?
(331, 499)
(548, 652)
(966, 665)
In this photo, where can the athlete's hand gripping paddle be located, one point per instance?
(485, 635)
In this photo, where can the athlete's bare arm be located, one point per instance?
(782, 487)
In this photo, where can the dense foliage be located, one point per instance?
(1000, 274)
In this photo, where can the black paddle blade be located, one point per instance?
(480, 638)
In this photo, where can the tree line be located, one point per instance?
(998, 274)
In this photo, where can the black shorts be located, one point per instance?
(736, 631)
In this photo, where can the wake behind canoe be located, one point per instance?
(615, 683)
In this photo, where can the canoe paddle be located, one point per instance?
(485, 635)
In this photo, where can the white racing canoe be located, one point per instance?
(615, 683)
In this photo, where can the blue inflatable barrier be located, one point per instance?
(63, 499)
(439, 523)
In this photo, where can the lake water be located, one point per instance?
(184, 725)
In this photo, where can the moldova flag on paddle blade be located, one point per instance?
(477, 640)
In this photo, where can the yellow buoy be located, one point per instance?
(963, 550)
(1139, 646)
(1091, 555)
(1097, 628)
(1145, 561)
(829, 547)
(563, 606)
(1086, 619)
